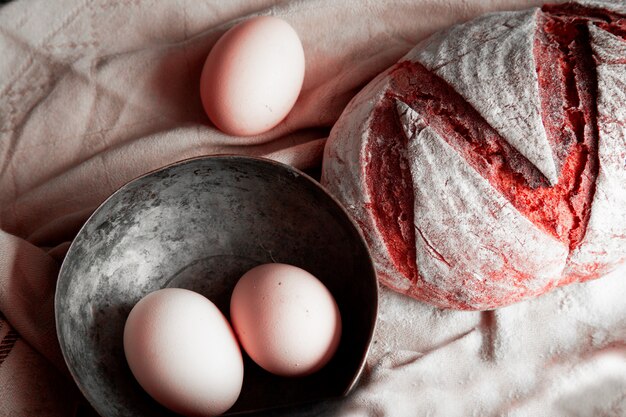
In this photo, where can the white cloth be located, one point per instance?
(96, 92)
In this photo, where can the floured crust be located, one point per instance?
(490, 63)
(474, 188)
(475, 237)
(604, 245)
(347, 165)
(617, 6)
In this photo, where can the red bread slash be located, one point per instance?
(489, 164)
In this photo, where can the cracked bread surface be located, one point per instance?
(486, 166)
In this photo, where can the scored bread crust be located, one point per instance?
(488, 165)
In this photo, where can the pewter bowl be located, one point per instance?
(200, 224)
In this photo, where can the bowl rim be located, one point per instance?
(276, 164)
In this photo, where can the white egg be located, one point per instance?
(286, 319)
(253, 76)
(183, 352)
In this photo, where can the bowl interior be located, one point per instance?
(201, 224)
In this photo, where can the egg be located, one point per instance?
(286, 319)
(253, 75)
(183, 352)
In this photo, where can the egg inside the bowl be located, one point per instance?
(286, 319)
(183, 352)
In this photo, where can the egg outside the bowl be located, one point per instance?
(253, 76)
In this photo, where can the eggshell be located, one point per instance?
(253, 76)
(286, 319)
(183, 352)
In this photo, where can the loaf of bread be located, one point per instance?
(489, 164)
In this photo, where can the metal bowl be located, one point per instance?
(200, 224)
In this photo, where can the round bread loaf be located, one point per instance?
(489, 164)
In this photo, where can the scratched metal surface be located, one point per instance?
(200, 225)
